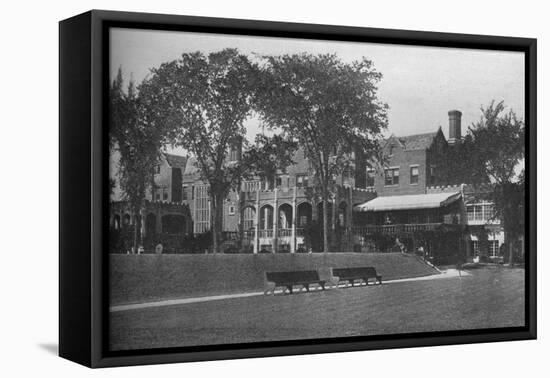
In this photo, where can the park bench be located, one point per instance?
(358, 273)
(287, 280)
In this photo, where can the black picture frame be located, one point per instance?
(83, 196)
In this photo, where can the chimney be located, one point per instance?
(455, 133)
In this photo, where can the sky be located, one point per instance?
(420, 84)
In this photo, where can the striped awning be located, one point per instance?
(408, 202)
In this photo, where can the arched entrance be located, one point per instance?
(266, 217)
(285, 216)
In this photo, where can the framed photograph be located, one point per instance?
(234, 188)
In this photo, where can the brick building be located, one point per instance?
(399, 203)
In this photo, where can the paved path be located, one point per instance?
(449, 273)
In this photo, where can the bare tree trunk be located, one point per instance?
(216, 220)
(508, 242)
(240, 216)
(325, 220)
(510, 251)
(135, 233)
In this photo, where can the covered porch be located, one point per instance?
(426, 224)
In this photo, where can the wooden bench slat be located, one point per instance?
(356, 273)
(289, 279)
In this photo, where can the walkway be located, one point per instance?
(449, 273)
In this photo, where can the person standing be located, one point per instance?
(158, 249)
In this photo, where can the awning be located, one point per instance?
(408, 202)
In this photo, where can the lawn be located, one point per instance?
(139, 278)
(490, 297)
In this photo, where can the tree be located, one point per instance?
(329, 107)
(499, 143)
(139, 143)
(204, 100)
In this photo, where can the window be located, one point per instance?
(165, 194)
(157, 169)
(248, 215)
(233, 155)
(231, 210)
(493, 248)
(268, 184)
(414, 174)
(391, 150)
(475, 248)
(488, 212)
(391, 176)
(202, 209)
(480, 212)
(157, 195)
(370, 177)
(301, 181)
(278, 181)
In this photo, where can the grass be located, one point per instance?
(139, 278)
(490, 297)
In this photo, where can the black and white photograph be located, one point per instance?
(266, 189)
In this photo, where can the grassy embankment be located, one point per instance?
(139, 278)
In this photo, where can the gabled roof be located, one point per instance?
(418, 141)
(176, 161)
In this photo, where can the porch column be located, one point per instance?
(275, 221)
(293, 233)
(257, 223)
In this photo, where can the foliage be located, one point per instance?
(500, 141)
(499, 138)
(138, 141)
(203, 100)
(329, 107)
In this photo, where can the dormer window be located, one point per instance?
(157, 169)
(391, 150)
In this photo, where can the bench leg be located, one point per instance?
(307, 287)
(323, 285)
(290, 289)
(352, 283)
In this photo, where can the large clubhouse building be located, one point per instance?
(400, 205)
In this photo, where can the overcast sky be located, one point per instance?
(420, 84)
